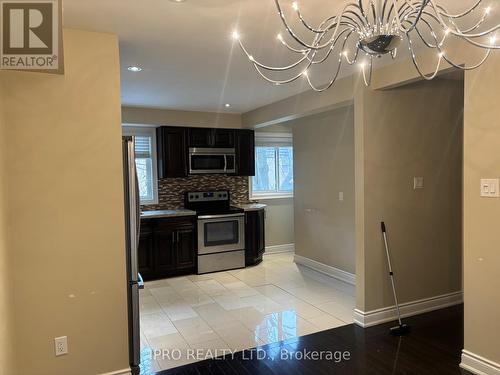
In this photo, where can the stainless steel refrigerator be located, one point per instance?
(132, 228)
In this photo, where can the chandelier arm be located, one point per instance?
(323, 29)
(472, 67)
(329, 84)
(272, 68)
(298, 39)
(332, 47)
(463, 14)
(334, 79)
(415, 63)
(420, 11)
(290, 48)
(369, 81)
(449, 60)
(280, 82)
(459, 33)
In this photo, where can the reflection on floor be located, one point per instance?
(433, 347)
(192, 318)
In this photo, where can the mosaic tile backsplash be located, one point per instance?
(171, 190)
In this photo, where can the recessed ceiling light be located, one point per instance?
(135, 69)
(227, 105)
(178, 1)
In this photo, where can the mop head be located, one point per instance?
(400, 330)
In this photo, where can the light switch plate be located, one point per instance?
(341, 196)
(490, 188)
(418, 183)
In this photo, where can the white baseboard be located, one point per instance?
(387, 314)
(125, 371)
(276, 249)
(478, 365)
(326, 270)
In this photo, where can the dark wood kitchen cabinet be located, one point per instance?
(145, 257)
(167, 247)
(172, 152)
(245, 152)
(255, 238)
(208, 137)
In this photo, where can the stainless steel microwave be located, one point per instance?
(212, 160)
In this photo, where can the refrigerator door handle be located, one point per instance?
(140, 282)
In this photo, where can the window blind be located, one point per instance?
(143, 147)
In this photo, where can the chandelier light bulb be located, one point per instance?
(441, 54)
(251, 58)
(279, 37)
(235, 35)
(295, 5)
(487, 10)
(493, 40)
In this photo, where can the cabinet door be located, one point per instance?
(261, 230)
(200, 137)
(254, 236)
(172, 152)
(245, 152)
(145, 258)
(223, 138)
(186, 258)
(164, 248)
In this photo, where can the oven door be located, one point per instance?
(220, 233)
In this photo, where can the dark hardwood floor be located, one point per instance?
(432, 347)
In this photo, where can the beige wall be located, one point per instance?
(414, 130)
(481, 234)
(5, 283)
(152, 116)
(66, 211)
(279, 221)
(324, 167)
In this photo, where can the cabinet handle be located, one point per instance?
(173, 238)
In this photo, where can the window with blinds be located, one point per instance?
(273, 166)
(145, 161)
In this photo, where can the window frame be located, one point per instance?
(149, 131)
(263, 139)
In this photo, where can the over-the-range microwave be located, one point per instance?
(212, 160)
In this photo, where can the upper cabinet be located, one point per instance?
(174, 143)
(245, 152)
(172, 152)
(207, 138)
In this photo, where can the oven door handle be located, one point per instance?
(225, 163)
(206, 217)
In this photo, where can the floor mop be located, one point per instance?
(401, 329)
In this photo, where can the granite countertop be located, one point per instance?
(252, 206)
(166, 213)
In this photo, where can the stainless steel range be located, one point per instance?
(221, 231)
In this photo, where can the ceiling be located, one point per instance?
(188, 58)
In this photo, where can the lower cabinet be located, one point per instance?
(255, 239)
(167, 247)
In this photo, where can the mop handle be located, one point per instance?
(391, 274)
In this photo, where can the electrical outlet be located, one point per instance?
(418, 183)
(61, 345)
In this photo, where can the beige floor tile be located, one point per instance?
(211, 349)
(179, 311)
(156, 324)
(326, 321)
(304, 309)
(215, 315)
(211, 287)
(338, 311)
(195, 330)
(172, 341)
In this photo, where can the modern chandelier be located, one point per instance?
(366, 29)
